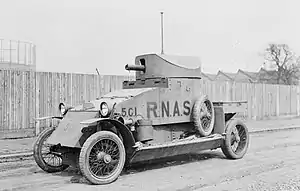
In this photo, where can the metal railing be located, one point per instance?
(18, 52)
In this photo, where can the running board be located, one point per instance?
(175, 148)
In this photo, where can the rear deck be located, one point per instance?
(232, 106)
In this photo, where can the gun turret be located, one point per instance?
(135, 67)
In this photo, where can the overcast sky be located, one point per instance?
(78, 36)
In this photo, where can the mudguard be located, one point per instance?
(69, 133)
(126, 134)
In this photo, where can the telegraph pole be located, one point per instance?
(162, 32)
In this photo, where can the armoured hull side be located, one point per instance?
(162, 105)
(68, 133)
(172, 104)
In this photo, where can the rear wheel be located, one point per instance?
(236, 141)
(203, 116)
(45, 158)
(102, 157)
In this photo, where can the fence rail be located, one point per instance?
(26, 95)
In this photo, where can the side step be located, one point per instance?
(177, 148)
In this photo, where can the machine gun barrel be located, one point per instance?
(135, 67)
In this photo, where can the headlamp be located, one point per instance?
(62, 108)
(104, 110)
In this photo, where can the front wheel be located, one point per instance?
(236, 140)
(46, 159)
(102, 157)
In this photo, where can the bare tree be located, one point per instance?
(284, 61)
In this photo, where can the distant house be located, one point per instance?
(245, 76)
(267, 76)
(263, 76)
(207, 76)
(270, 77)
(225, 76)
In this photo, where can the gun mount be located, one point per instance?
(161, 65)
(151, 70)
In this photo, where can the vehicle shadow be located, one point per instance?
(172, 161)
(76, 176)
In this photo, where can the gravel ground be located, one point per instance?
(272, 163)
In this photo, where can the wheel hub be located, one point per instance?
(105, 157)
(236, 136)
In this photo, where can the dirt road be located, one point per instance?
(272, 163)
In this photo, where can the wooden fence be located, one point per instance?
(25, 95)
(264, 100)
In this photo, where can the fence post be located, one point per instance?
(277, 100)
(263, 102)
(255, 102)
(37, 127)
(71, 89)
(37, 103)
(298, 100)
(233, 91)
(24, 109)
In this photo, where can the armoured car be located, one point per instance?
(161, 113)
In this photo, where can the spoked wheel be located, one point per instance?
(102, 157)
(203, 116)
(236, 140)
(45, 158)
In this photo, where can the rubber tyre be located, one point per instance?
(196, 112)
(37, 153)
(84, 156)
(226, 146)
